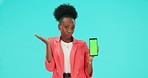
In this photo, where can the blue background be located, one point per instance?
(120, 25)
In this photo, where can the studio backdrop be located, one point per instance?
(121, 27)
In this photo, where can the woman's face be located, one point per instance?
(67, 27)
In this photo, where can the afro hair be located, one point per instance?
(65, 10)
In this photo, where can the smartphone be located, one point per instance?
(93, 46)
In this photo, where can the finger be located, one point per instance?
(37, 36)
(90, 57)
(42, 39)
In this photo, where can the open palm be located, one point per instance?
(42, 39)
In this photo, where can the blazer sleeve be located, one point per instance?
(86, 60)
(50, 66)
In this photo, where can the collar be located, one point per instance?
(74, 40)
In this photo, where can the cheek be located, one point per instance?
(63, 31)
(73, 30)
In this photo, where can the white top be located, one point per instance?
(66, 49)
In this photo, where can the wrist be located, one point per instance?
(90, 61)
(48, 44)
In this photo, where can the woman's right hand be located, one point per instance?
(48, 54)
(42, 39)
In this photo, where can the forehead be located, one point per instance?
(68, 20)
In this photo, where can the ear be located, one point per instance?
(59, 26)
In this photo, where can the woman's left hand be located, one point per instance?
(90, 58)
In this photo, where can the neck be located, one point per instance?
(67, 40)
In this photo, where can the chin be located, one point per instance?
(69, 37)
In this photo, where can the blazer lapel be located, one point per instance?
(72, 54)
(60, 54)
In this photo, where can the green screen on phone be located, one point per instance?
(93, 46)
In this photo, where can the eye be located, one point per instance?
(73, 27)
(66, 27)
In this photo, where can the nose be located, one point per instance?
(70, 31)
